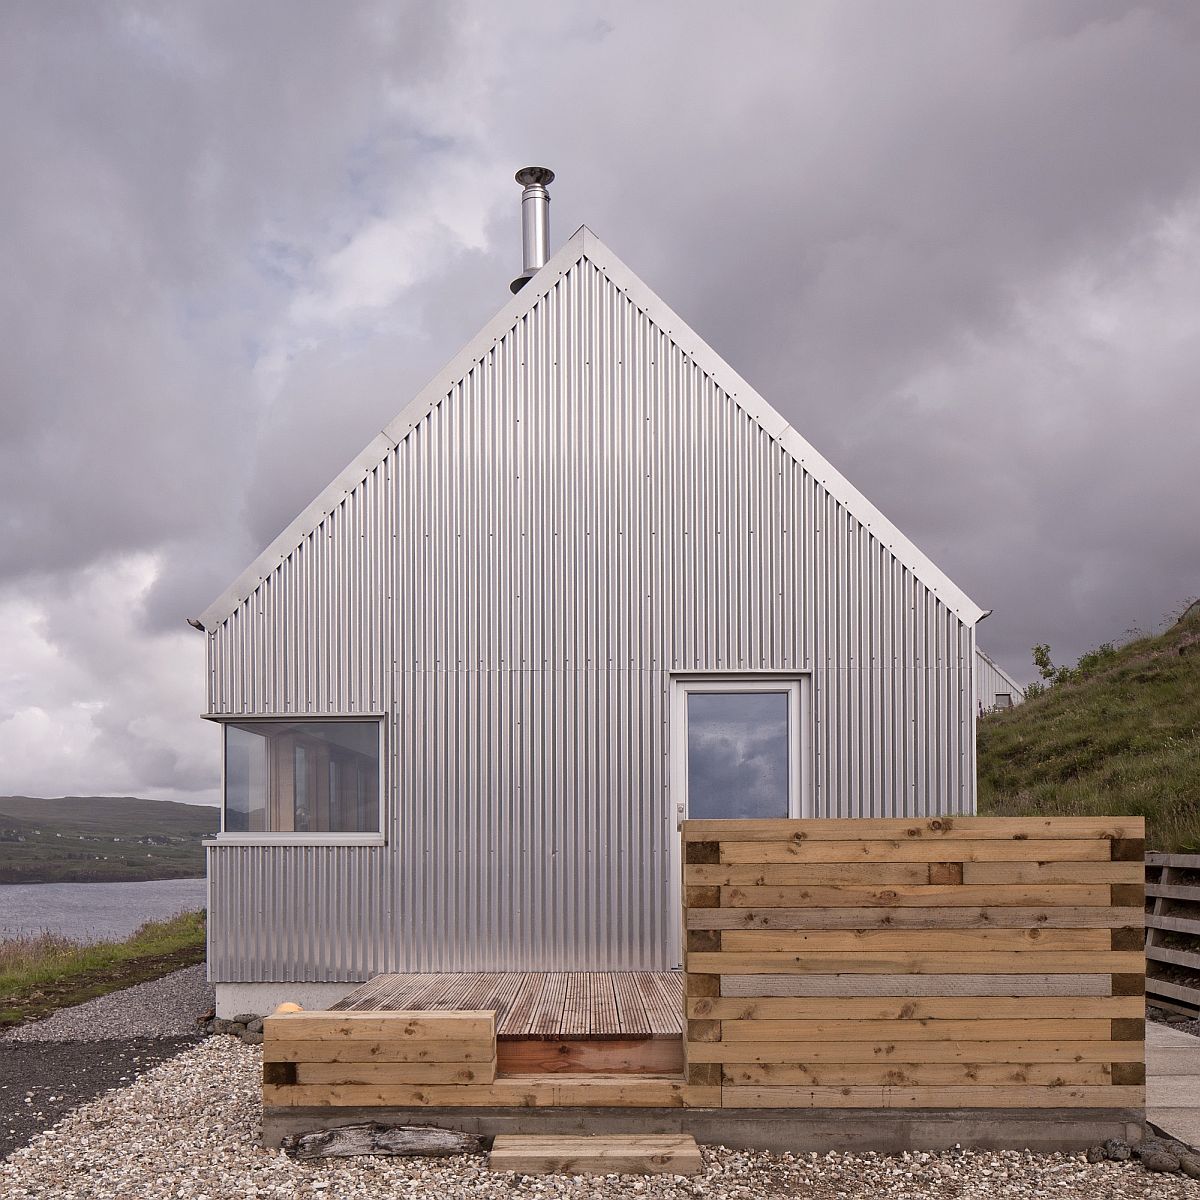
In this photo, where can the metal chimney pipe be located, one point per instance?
(535, 223)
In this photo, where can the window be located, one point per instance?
(1003, 700)
(302, 776)
(741, 748)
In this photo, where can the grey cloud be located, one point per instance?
(947, 241)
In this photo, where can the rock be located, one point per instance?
(220, 1025)
(245, 1018)
(255, 1026)
(1152, 1145)
(1096, 1154)
(1160, 1160)
(237, 1027)
(1116, 1150)
(252, 1039)
(1189, 1164)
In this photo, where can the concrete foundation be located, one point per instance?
(264, 998)
(888, 1131)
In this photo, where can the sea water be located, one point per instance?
(93, 912)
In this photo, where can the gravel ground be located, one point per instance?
(166, 1007)
(188, 1128)
(42, 1081)
(53, 1066)
(1174, 1020)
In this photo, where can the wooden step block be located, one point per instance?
(641, 1056)
(395, 1026)
(603, 1154)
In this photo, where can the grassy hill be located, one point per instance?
(1118, 734)
(93, 839)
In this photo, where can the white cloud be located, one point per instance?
(90, 704)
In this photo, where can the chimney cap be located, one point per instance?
(531, 175)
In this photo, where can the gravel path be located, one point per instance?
(188, 1129)
(42, 1081)
(166, 1007)
(52, 1066)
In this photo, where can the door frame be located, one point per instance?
(801, 780)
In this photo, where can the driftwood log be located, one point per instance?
(345, 1141)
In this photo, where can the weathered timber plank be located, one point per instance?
(873, 874)
(874, 962)
(380, 1073)
(914, 1051)
(916, 939)
(918, 985)
(581, 1154)
(1053, 872)
(1173, 891)
(657, 1056)
(899, 1008)
(903, 829)
(1176, 991)
(913, 918)
(985, 1096)
(481, 1050)
(350, 1141)
(925, 1029)
(1178, 958)
(394, 1026)
(526, 1091)
(905, 896)
(1173, 923)
(918, 851)
(840, 1074)
(1189, 862)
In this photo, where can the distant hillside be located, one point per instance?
(1118, 734)
(95, 839)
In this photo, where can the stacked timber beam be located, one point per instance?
(412, 1059)
(964, 962)
(1173, 931)
(369, 1058)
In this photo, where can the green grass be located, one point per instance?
(1120, 735)
(41, 973)
(90, 839)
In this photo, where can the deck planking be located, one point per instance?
(550, 1005)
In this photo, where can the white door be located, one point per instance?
(739, 749)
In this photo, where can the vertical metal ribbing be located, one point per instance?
(584, 513)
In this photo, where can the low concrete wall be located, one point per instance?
(263, 998)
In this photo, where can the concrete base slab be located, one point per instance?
(889, 1131)
(1173, 1082)
(264, 998)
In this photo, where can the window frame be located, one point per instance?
(266, 838)
(797, 686)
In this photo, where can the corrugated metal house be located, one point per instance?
(586, 582)
(995, 688)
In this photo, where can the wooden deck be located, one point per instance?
(547, 1006)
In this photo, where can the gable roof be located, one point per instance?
(991, 662)
(584, 244)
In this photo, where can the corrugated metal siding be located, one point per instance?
(585, 513)
(989, 680)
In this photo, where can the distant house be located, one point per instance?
(586, 583)
(995, 688)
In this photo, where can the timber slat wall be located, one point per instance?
(1173, 931)
(965, 962)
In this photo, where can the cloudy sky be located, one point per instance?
(956, 244)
